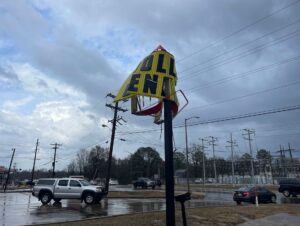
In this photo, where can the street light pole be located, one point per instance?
(187, 152)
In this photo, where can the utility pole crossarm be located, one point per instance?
(116, 107)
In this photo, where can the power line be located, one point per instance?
(243, 74)
(240, 46)
(228, 118)
(239, 30)
(248, 115)
(247, 95)
(240, 55)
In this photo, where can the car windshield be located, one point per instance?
(85, 183)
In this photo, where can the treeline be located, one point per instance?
(146, 162)
(92, 164)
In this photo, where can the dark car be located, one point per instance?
(144, 183)
(247, 194)
(289, 186)
(158, 182)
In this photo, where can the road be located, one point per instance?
(22, 208)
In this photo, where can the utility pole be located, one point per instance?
(271, 169)
(8, 173)
(290, 151)
(56, 146)
(33, 167)
(249, 133)
(282, 160)
(232, 144)
(203, 161)
(291, 157)
(114, 121)
(212, 142)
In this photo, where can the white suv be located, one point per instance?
(67, 188)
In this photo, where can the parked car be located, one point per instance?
(67, 188)
(198, 181)
(210, 180)
(144, 183)
(31, 183)
(158, 182)
(289, 186)
(247, 194)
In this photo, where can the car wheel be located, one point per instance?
(153, 187)
(273, 199)
(45, 198)
(286, 193)
(89, 198)
(238, 202)
(56, 200)
(134, 186)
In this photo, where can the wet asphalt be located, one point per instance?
(24, 209)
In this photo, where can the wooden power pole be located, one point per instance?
(114, 121)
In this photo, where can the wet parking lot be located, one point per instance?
(24, 209)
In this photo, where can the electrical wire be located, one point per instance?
(241, 55)
(240, 46)
(239, 30)
(228, 118)
(244, 74)
(246, 95)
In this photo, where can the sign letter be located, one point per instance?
(150, 84)
(133, 82)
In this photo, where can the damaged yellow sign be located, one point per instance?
(155, 76)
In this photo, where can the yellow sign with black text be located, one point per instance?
(155, 76)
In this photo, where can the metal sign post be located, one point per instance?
(169, 172)
(155, 78)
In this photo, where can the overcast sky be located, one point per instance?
(59, 59)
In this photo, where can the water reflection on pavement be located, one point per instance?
(23, 209)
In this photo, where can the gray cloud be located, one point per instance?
(92, 46)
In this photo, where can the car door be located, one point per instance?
(62, 189)
(75, 189)
(264, 194)
(259, 193)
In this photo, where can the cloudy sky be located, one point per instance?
(59, 59)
